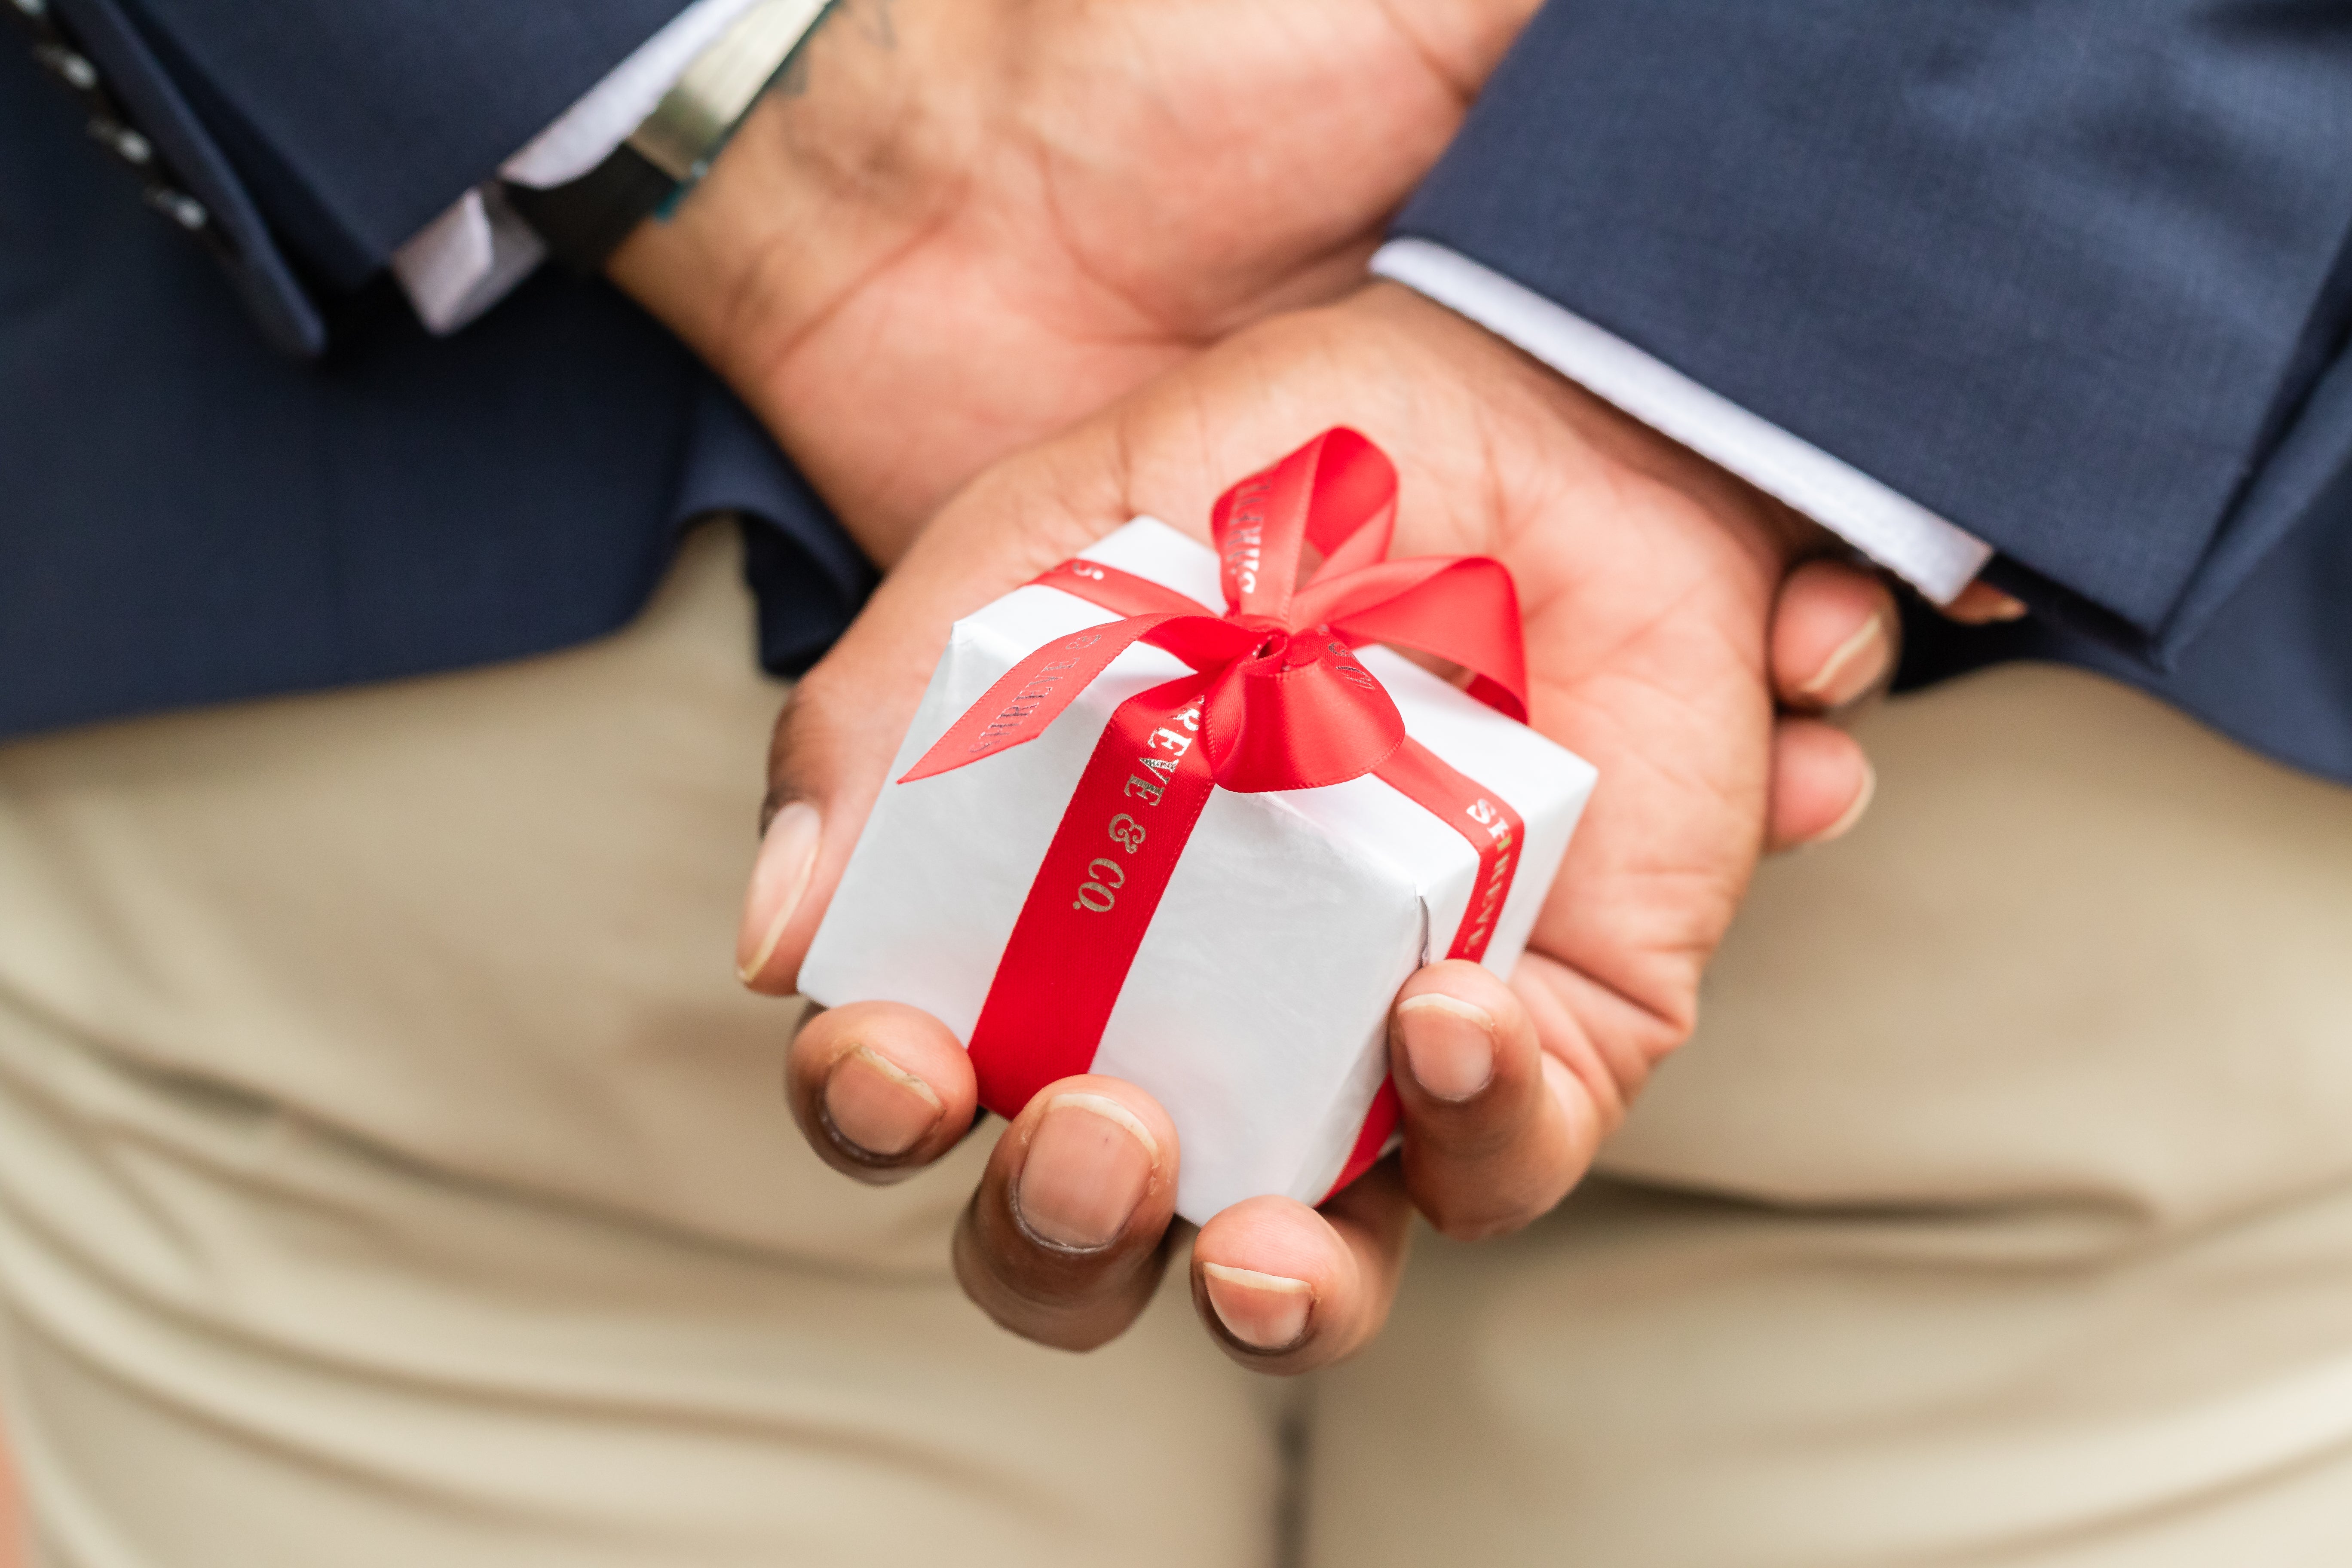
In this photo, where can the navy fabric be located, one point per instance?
(2069, 272)
(190, 516)
(2073, 272)
(2272, 667)
(359, 123)
(260, 270)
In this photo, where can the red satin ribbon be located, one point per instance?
(1277, 701)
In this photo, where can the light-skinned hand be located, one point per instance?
(1658, 632)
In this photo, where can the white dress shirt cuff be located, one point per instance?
(1932, 554)
(472, 255)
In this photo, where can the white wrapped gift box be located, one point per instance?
(1256, 1009)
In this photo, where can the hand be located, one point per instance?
(1648, 582)
(978, 221)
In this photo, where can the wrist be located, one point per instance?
(831, 172)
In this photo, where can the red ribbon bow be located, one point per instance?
(1283, 702)
(1277, 701)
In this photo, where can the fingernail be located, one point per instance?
(876, 1106)
(1849, 671)
(1449, 1044)
(1844, 823)
(1995, 606)
(1982, 604)
(779, 877)
(1088, 1164)
(1264, 1311)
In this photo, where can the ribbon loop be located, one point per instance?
(1287, 705)
(1463, 608)
(1337, 493)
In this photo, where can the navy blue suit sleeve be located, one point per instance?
(353, 124)
(2068, 272)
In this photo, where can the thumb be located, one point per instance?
(840, 728)
(826, 764)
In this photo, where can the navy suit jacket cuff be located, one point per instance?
(353, 124)
(2066, 274)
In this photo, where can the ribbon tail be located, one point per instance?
(1030, 696)
(1121, 593)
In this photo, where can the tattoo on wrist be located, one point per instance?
(871, 19)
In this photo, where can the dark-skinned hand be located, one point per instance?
(1668, 642)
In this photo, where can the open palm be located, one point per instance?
(1648, 584)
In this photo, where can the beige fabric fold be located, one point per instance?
(391, 1172)
(2001, 1212)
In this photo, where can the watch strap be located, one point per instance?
(584, 220)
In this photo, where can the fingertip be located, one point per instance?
(781, 877)
(879, 1090)
(1094, 1163)
(1448, 1046)
(1456, 1030)
(1834, 636)
(1067, 1237)
(1133, 1110)
(1982, 604)
(1462, 980)
(1265, 1314)
(826, 759)
(1853, 814)
(1822, 782)
(1482, 1154)
(1277, 1286)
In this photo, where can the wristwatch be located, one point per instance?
(584, 220)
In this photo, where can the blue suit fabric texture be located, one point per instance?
(233, 481)
(2075, 274)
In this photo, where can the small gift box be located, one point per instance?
(1200, 850)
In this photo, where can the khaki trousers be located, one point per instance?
(391, 1171)
(2001, 1212)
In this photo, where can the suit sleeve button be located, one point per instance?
(179, 206)
(122, 141)
(77, 70)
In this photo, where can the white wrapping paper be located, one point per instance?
(1255, 1010)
